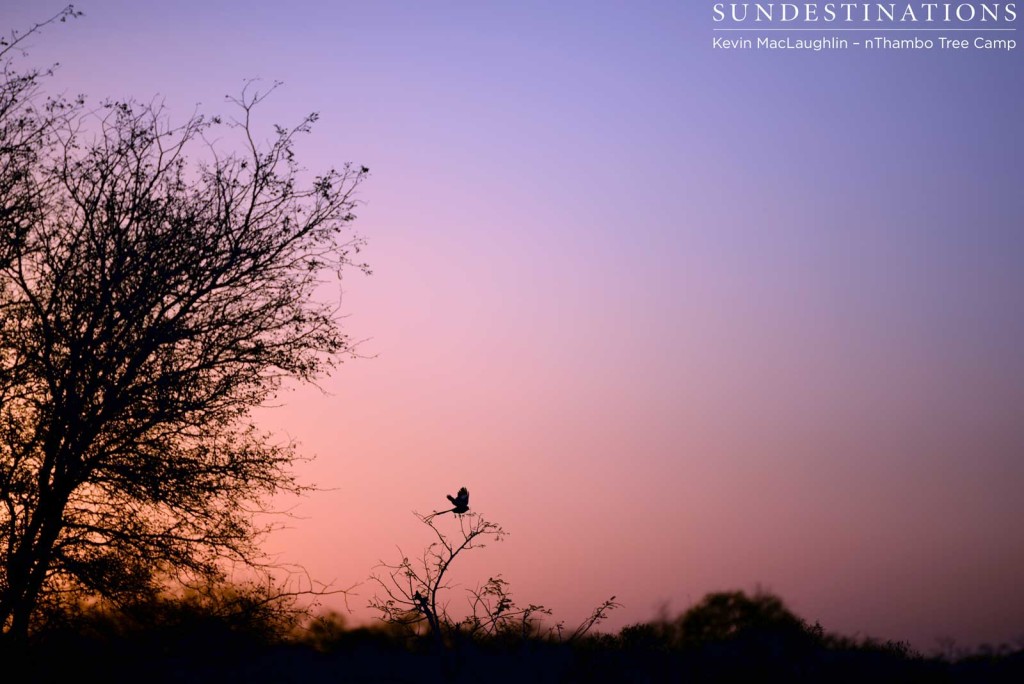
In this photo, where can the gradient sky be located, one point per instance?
(682, 320)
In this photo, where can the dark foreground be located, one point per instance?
(364, 658)
(728, 637)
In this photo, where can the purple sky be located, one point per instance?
(681, 319)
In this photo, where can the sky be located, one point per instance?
(682, 319)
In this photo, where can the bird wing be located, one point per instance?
(463, 498)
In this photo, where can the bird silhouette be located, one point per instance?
(460, 501)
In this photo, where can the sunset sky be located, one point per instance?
(681, 319)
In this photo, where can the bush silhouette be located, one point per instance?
(734, 616)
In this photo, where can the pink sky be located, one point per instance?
(680, 321)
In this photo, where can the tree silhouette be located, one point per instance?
(413, 591)
(722, 616)
(154, 289)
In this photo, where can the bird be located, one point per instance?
(460, 501)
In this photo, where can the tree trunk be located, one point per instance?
(26, 573)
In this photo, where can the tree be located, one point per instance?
(154, 290)
(412, 592)
(732, 615)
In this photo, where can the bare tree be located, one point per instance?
(411, 590)
(415, 592)
(154, 289)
